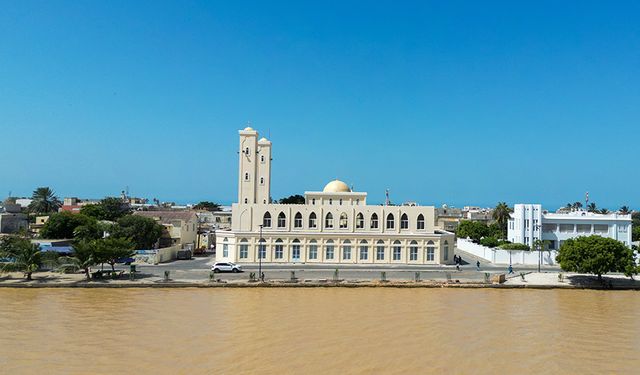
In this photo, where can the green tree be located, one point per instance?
(110, 249)
(109, 208)
(472, 229)
(576, 206)
(604, 211)
(84, 256)
(94, 210)
(25, 256)
(596, 255)
(501, 215)
(624, 210)
(144, 232)
(591, 207)
(44, 201)
(292, 199)
(64, 224)
(208, 206)
(635, 235)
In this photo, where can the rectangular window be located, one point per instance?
(295, 252)
(279, 252)
(329, 252)
(446, 252)
(552, 245)
(346, 252)
(225, 250)
(262, 251)
(413, 253)
(601, 228)
(622, 228)
(312, 222)
(549, 228)
(364, 252)
(297, 222)
(380, 252)
(566, 228)
(431, 254)
(583, 228)
(244, 251)
(397, 252)
(374, 223)
(313, 251)
(420, 224)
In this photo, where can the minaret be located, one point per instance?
(264, 172)
(248, 166)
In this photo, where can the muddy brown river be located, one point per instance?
(318, 331)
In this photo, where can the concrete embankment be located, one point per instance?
(524, 281)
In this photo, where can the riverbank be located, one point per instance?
(530, 280)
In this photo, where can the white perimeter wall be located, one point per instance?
(500, 256)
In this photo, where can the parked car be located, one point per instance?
(226, 267)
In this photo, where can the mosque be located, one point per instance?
(335, 225)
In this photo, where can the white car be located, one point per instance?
(226, 267)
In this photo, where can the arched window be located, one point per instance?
(374, 221)
(340, 201)
(262, 248)
(364, 250)
(328, 250)
(328, 222)
(295, 250)
(266, 220)
(346, 250)
(225, 247)
(312, 220)
(391, 223)
(431, 251)
(297, 221)
(420, 221)
(244, 248)
(404, 222)
(313, 250)
(359, 220)
(446, 250)
(282, 220)
(413, 251)
(397, 250)
(343, 220)
(279, 250)
(380, 250)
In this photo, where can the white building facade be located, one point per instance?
(334, 225)
(529, 222)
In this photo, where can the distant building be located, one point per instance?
(12, 220)
(448, 218)
(73, 204)
(529, 222)
(36, 226)
(180, 227)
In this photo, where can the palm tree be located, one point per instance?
(604, 211)
(84, 256)
(501, 215)
(25, 255)
(591, 207)
(44, 201)
(576, 206)
(624, 210)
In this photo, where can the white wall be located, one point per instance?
(500, 256)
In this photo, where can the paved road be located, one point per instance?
(199, 268)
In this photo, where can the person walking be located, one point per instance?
(510, 269)
(478, 265)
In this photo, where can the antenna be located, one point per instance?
(387, 201)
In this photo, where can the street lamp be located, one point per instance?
(260, 245)
(539, 245)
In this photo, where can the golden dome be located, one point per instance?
(336, 186)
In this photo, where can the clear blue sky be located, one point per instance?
(458, 102)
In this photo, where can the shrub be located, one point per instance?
(514, 246)
(489, 242)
